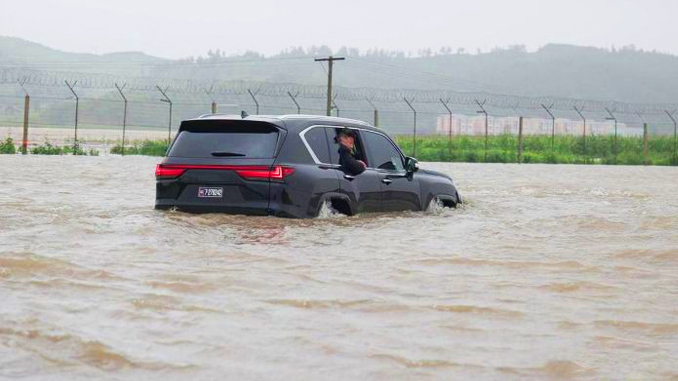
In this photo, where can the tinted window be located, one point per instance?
(383, 154)
(334, 146)
(239, 140)
(317, 140)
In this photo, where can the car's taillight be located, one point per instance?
(248, 172)
(166, 172)
(265, 173)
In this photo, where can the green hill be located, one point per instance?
(624, 75)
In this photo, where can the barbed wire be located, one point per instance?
(54, 78)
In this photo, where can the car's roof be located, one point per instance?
(291, 121)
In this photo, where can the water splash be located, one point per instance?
(436, 207)
(327, 211)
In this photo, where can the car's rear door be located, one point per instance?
(399, 190)
(221, 165)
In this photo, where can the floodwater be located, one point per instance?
(547, 272)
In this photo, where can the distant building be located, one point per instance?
(475, 125)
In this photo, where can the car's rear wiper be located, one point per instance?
(227, 154)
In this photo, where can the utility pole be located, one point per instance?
(330, 61)
(77, 103)
(553, 124)
(169, 101)
(483, 111)
(612, 117)
(580, 111)
(27, 104)
(124, 117)
(449, 143)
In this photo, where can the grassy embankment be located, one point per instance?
(501, 149)
(537, 149)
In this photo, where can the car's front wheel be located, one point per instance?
(435, 205)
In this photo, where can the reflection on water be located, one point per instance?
(546, 272)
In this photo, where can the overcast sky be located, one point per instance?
(175, 29)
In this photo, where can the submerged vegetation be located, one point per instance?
(7, 147)
(147, 147)
(48, 149)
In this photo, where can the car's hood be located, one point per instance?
(435, 173)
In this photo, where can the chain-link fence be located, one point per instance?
(447, 125)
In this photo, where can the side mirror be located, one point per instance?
(411, 165)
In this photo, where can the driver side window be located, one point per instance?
(382, 153)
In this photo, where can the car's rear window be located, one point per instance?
(214, 139)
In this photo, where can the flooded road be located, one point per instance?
(547, 272)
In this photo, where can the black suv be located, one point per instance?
(289, 166)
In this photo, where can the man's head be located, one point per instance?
(346, 137)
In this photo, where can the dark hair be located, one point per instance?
(346, 131)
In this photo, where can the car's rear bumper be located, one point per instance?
(255, 210)
(274, 209)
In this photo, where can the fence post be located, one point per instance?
(675, 135)
(580, 111)
(24, 141)
(27, 104)
(124, 117)
(169, 101)
(414, 127)
(334, 105)
(294, 99)
(449, 143)
(256, 102)
(209, 94)
(483, 111)
(520, 140)
(77, 103)
(645, 158)
(553, 125)
(612, 117)
(376, 112)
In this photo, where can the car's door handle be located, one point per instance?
(386, 181)
(349, 177)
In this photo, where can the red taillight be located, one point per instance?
(265, 173)
(249, 172)
(168, 171)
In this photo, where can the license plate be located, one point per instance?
(210, 192)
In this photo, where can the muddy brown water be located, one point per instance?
(547, 272)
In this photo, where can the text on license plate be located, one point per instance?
(210, 192)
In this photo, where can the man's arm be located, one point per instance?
(350, 164)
